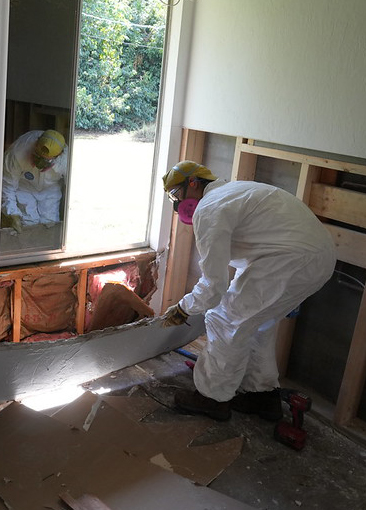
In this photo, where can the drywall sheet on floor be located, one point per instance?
(27, 369)
(156, 442)
(42, 458)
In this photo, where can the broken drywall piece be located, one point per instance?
(189, 427)
(204, 464)
(45, 458)
(27, 369)
(109, 425)
(5, 503)
(85, 502)
(160, 460)
(201, 464)
(33, 451)
(93, 411)
(136, 408)
(165, 442)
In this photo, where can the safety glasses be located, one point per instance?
(172, 195)
(43, 163)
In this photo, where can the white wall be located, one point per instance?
(285, 71)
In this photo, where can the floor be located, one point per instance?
(329, 473)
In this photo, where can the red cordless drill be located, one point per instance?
(292, 434)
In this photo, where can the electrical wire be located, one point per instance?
(170, 5)
(350, 277)
(126, 24)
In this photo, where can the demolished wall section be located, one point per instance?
(50, 302)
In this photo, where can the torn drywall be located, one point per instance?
(29, 368)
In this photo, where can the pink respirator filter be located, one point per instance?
(186, 209)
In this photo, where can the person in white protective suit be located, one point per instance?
(281, 253)
(34, 166)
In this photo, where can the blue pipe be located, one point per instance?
(187, 354)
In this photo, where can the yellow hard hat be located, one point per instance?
(184, 169)
(50, 144)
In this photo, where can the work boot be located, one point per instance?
(194, 402)
(267, 404)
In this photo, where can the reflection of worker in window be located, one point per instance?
(33, 168)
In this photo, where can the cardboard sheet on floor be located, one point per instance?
(164, 444)
(41, 458)
(90, 413)
(135, 408)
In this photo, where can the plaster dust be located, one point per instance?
(328, 474)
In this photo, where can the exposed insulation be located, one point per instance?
(51, 305)
(48, 304)
(119, 311)
(117, 304)
(5, 307)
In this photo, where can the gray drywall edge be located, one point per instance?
(30, 368)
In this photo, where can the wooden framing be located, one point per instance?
(81, 296)
(339, 204)
(327, 201)
(244, 164)
(17, 306)
(355, 372)
(315, 187)
(296, 157)
(181, 236)
(308, 175)
(351, 246)
(80, 266)
(335, 203)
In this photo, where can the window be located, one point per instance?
(89, 71)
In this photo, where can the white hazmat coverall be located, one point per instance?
(282, 254)
(27, 191)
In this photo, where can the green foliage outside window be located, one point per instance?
(120, 59)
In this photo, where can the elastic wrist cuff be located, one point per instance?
(181, 311)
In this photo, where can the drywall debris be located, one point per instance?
(5, 503)
(160, 460)
(89, 464)
(84, 502)
(155, 442)
(90, 418)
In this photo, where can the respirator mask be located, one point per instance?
(185, 207)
